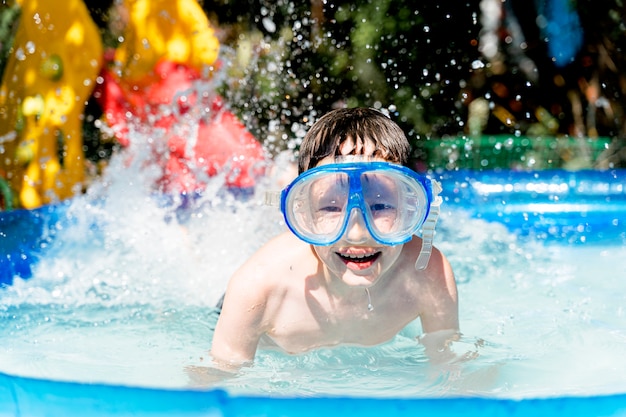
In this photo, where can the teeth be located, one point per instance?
(351, 256)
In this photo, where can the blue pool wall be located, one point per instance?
(553, 205)
(32, 397)
(583, 207)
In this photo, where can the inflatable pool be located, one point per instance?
(558, 208)
(28, 397)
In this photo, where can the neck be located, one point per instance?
(353, 294)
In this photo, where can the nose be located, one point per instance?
(356, 232)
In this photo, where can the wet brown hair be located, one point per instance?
(362, 125)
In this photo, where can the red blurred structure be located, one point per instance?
(222, 141)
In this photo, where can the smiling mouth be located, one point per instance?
(360, 258)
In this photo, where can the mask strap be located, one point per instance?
(428, 228)
(272, 198)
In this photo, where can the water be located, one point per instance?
(125, 295)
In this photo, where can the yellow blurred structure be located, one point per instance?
(163, 30)
(56, 57)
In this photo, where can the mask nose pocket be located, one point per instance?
(356, 229)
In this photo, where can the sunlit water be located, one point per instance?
(125, 295)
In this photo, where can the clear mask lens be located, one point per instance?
(318, 206)
(394, 202)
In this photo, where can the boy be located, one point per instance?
(350, 270)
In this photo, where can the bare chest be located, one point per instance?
(297, 330)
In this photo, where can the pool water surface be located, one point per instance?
(124, 295)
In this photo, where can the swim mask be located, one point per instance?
(394, 202)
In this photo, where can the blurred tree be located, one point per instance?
(554, 67)
(602, 65)
(410, 58)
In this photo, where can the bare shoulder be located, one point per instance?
(441, 274)
(439, 269)
(273, 256)
(267, 270)
(436, 289)
(438, 272)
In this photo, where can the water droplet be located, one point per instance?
(269, 24)
(20, 55)
(30, 47)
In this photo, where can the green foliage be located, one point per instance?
(8, 22)
(402, 57)
(420, 62)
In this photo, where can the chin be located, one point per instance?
(354, 280)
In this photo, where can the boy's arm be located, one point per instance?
(241, 322)
(245, 315)
(440, 317)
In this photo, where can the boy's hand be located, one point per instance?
(206, 376)
(437, 345)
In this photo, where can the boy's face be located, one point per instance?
(356, 258)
